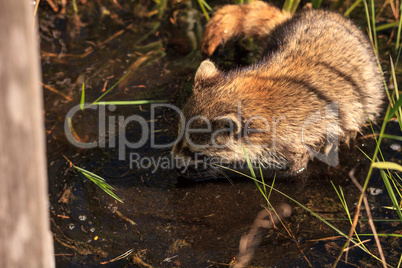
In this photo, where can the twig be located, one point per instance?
(358, 244)
(122, 256)
(56, 91)
(128, 27)
(35, 11)
(88, 50)
(53, 5)
(80, 247)
(117, 4)
(370, 218)
(249, 242)
(125, 218)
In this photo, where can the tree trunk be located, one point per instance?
(25, 238)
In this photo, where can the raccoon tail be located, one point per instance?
(256, 19)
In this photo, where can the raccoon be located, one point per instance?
(317, 83)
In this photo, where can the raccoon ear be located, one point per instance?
(206, 70)
(229, 122)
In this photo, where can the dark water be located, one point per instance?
(168, 221)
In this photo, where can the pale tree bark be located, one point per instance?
(25, 238)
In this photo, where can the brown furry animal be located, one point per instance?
(318, 82)
(256, 20)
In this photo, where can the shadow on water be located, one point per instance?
(165, 220)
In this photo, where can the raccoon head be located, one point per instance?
(222, 120)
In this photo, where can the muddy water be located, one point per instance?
(167, 220)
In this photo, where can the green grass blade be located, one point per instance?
(305, 208)
(391, 193)
(82, 97)
(257, 182)
(110, 89)
(100, 183)
(370, 34)
(287, 5)
(396, 185)
(250, 166)
(272, 186)
(368, 21)
(75, 6)
(201, 4)
(290, 6)
(206, 5)
(366, 155)
(93, 175)
(373, 24)
(139, 102)
(387, 26)
(262, 179)
(396, 92)
(294, 6)
(398, 55)
(316, 3)
(352, 7)
(253, 177)
(341, 197)
(398, 36)
(97, 180)
(387, 165)
(103, 185)
(377, 150)
(396, 108)
(384, 235)
(393, 137)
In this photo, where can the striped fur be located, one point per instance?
(318, 80)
